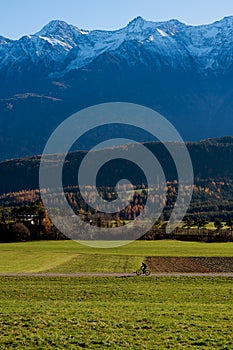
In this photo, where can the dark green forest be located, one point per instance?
(211, 159)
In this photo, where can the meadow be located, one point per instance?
(116, 313)
(69, 256)
(111, 312)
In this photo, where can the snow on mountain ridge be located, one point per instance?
(61, 33)
(73, 48)
(138, 30)
(210, 43)
(57, 27)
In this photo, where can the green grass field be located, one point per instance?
(111, 312)
(69, 256)
(116, 313)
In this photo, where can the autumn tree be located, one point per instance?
(46, 223)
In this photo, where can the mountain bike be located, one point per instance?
(140, 272)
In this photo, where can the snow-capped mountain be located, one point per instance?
(185, 72)
(61, 47)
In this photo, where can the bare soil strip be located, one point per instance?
(164, 274)
(191, 265)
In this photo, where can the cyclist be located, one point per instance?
(144, 267)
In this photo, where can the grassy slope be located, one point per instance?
(69, 256)
(116, 313)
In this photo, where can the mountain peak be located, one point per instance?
(57, 27)
(137, 23)
(137, 19)
(174, 22)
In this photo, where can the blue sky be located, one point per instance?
(20, 17)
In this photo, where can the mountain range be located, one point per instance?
(184, 72)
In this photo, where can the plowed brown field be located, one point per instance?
(192, 264)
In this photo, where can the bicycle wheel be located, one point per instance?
(147, 273)
(138, 272)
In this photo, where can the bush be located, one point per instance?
(20, 232)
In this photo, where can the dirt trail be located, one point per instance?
(174, 274)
